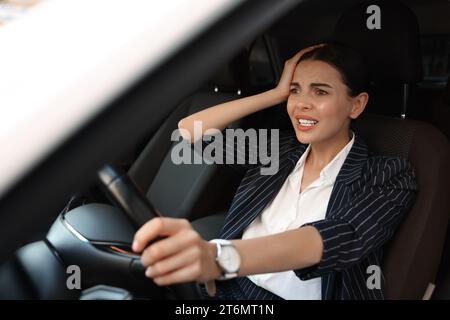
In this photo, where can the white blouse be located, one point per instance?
(291, 209)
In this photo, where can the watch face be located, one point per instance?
(230, 259)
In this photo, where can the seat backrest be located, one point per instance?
(413, 255)
(393, 54)
(191, 190)
(440, 112)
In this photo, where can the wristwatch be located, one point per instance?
(228, 258)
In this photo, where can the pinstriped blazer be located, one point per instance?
(370, 196)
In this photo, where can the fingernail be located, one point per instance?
(148, 272)
(134, 246)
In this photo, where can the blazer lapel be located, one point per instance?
(350, 171)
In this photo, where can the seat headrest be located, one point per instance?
(393, 51)
(233, 75)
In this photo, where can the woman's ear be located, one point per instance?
(358, 104)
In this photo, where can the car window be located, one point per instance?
(10, 10)
(436, 60)
(261, 71)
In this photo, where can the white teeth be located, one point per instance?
(307, 123)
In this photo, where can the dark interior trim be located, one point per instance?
(35, 201)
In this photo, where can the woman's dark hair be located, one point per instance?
(347, 61)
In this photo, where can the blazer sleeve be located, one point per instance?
(240, 154)
(367, 221)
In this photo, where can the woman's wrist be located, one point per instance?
(210, 285)
(216, 271)
(276, 96)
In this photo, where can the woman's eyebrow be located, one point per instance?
(313, 84)
(317, 84)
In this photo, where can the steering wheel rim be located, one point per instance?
(109, 175)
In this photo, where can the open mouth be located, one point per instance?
(307, 123)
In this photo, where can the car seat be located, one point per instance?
(413, 255)
(192, 190)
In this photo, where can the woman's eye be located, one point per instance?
(320, 92)
(294, 90)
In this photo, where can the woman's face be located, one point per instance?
(318, 92)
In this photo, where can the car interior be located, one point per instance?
(408, 115)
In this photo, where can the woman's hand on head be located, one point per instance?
(283, 87)
(181, 257)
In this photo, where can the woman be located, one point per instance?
(317, 227)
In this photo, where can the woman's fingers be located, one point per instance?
(190, 273)
(291, 64)
(157, 227)
(177, 258)
(289, 69)
(174, 262)
(315, 47)
(298, 55)
(169, 246)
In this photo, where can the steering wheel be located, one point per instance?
(119, 188)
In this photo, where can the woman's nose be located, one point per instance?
(304, 104)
